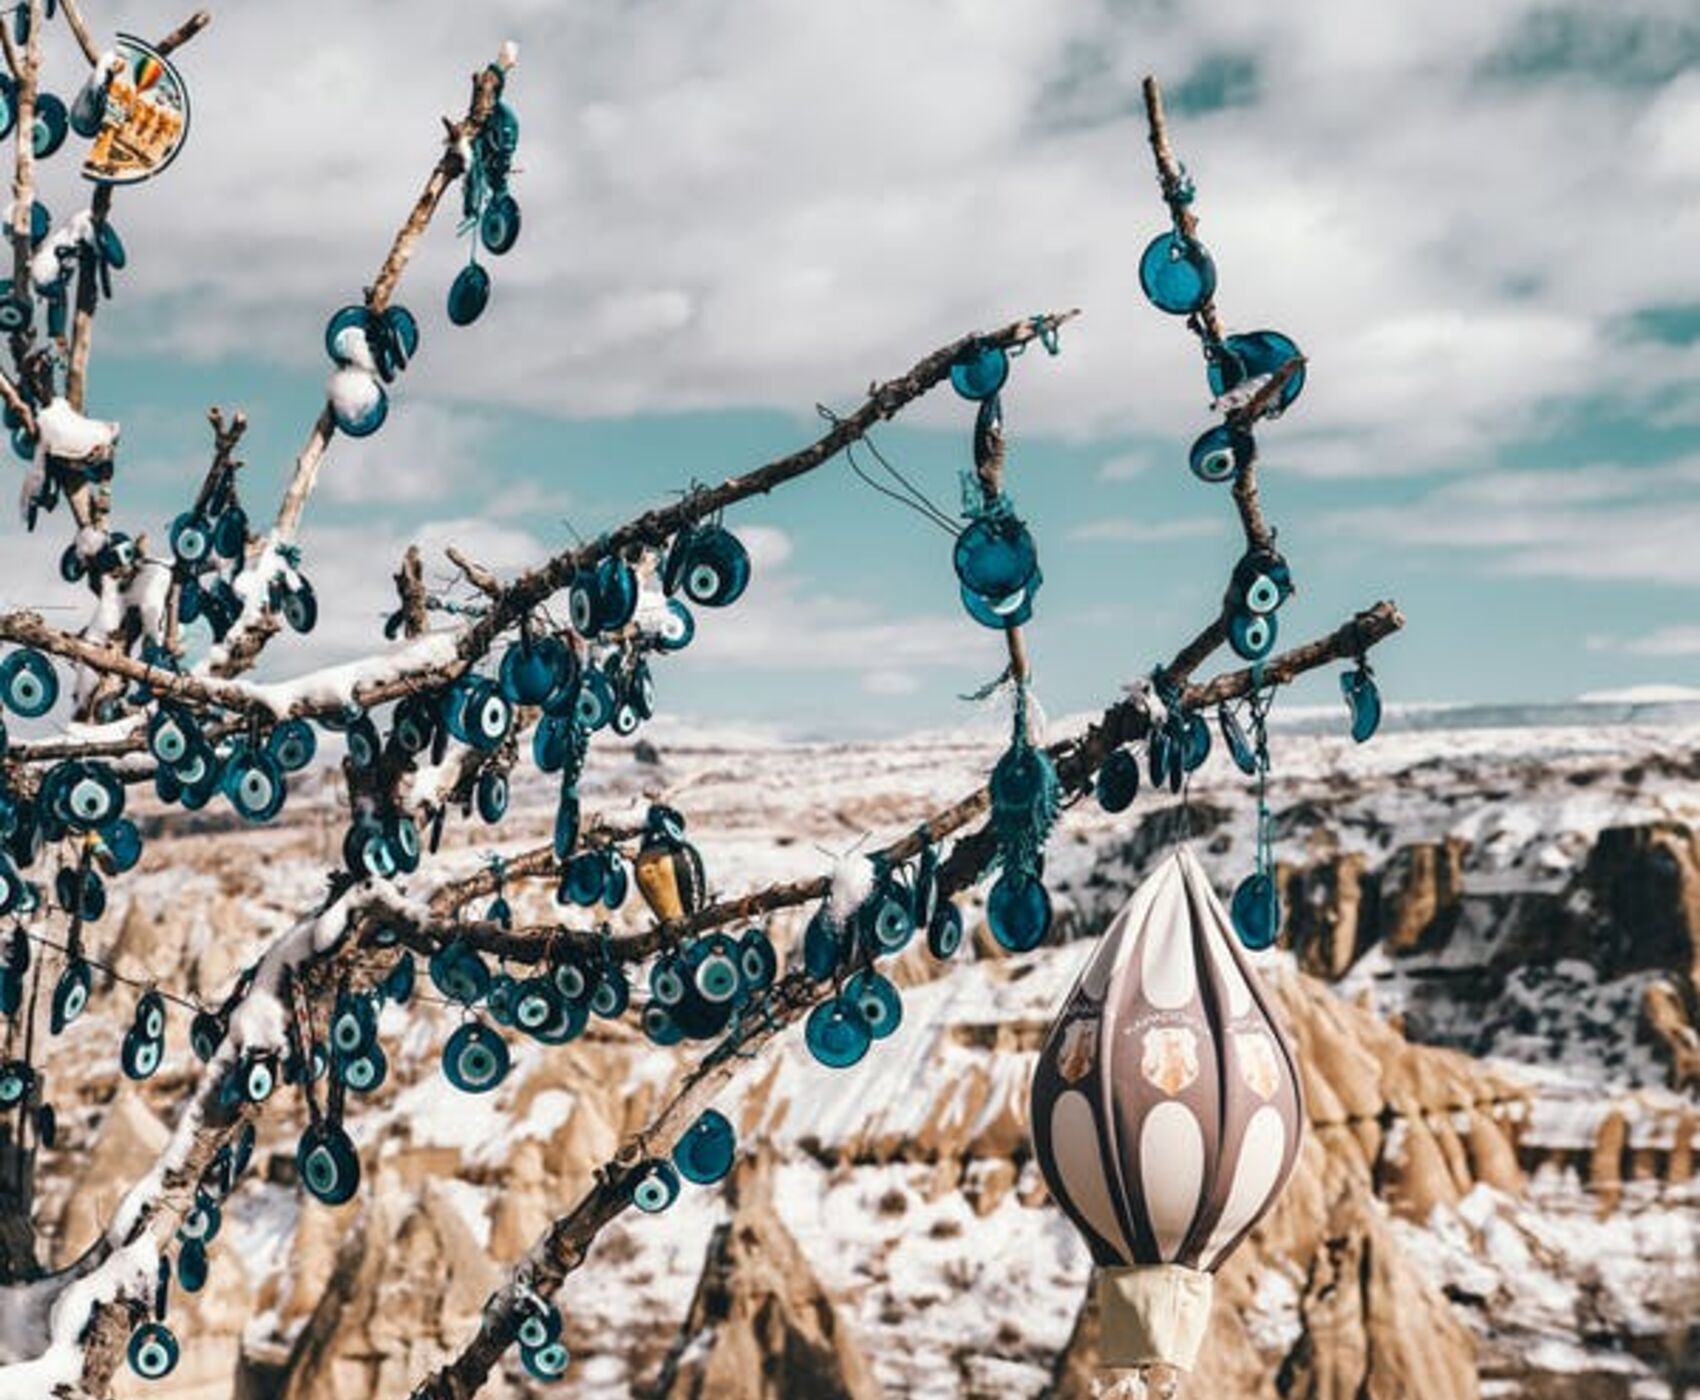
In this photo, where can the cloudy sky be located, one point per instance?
(1480, 221)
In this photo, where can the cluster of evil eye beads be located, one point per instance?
(842, 949)
(56, 255)
(996, 560)
(83, 242)
(487, 205)
(369, 346)
(153, 1350)
(1178, 276)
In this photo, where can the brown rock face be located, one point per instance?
(1667, 1017)
(1641, 894)
(1605, 1163)
(406, 1277)
(761, 1326)
(1327, 907)
(1339, 908)
(129, 1133)
(1374, 1328)
(1420, 891)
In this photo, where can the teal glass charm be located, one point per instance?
(1118, 781)
(995, 555)
(705, 1153)
(1176, 274)
(292, 745)
(545, 1363)
(758, 964)
(153, 1351)
(1220, 452)
(944, 931)
(469, 295)
(28, 684)
(498, 229)
(192, 1267)
(836, 1034)
(327, 1163)
(253, 781)
(1239, 744)
(714, 568)
(1252, 356)
(70, 995)
(655, 1186)
(1018, 911)
(1363, 700)
(52, 124)
(877, 1001)
(1256, 911)
(979, 370)
(533, 668)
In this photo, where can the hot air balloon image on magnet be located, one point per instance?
(1166, 1113)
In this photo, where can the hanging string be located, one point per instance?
(909, 495)
(188, 1003)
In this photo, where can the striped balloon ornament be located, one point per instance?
(1166, 1112)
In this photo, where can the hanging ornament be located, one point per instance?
(997, 563)
(1166, 1113)
(1260, 584)
(1176, 274)
(1025, 801)
(143, 115)
(669, 869)
(706, 1151)
(1363, 700)
(1241, 364)
(1256, 903)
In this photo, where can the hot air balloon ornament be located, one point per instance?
(1166, 1113)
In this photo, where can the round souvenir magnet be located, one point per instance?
(144, 119)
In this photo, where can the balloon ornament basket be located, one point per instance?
(1151, 1317)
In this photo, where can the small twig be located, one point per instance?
(475, 573)
(449, 168)
(80, 31)
(1173, 182)
(990, 473)
(410, 588)
(185, 31)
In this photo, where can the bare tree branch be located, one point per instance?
(450, 166)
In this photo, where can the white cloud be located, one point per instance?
(1605, 522)
(1663, 641)
(887, 682)
(768, 546)
(768, 203)
(1126, 466)
(420, 453)
(783, 622)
